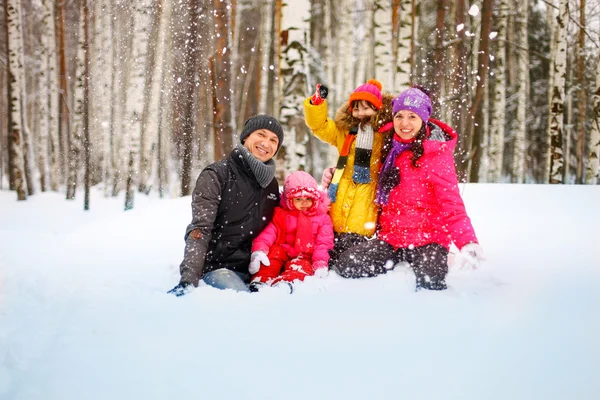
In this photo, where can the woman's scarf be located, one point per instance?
(389, 176)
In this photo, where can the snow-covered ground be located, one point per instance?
(84, 312)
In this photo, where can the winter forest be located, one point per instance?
(138, 96)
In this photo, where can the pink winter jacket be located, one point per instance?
(282, 229)
(426, 207)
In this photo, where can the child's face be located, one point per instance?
(407, 124)
(362, 109)
(302, 203)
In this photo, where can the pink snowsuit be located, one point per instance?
(297, 243)
(426, 207)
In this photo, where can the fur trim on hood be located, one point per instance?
(302, 184)
(344, 119)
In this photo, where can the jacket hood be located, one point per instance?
(302, 184)
(441, 137)
(344, 119)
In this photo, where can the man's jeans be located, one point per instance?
(225, 279)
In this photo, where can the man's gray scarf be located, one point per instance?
(263, 172)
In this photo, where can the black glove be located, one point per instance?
(181, 289)
(320, 95)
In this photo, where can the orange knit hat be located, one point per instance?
(370, 91)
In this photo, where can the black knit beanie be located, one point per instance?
(262, 122)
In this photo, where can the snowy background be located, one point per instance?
(84, 312)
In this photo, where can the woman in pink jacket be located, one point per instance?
(422, 212)
(297, 241)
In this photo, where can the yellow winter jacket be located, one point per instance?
(355, 210)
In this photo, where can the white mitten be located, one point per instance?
(256, 258)
(469, 257)
(321, 273)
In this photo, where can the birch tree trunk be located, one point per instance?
(266, 49)
(12, 13)
(107, 65)
(52, 81)
(135, 95)
(474, 135)
(152, 75)
(64, 123)
(383, 42)
(224, 116)
(498, 117)
(593, 166)
(522, 92)
(85, 112)
(405, 47)
(295, 25)
(555, 125)
(76, 134)
(581, 104)
(44, 92)
(438, 59)
(551, 21)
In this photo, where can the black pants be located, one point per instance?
(367, 259)
(343, 242)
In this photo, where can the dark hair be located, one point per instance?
(417, 146)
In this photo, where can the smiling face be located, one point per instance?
(302, 203)
(262, 144)
(407, 124)
(362, 109)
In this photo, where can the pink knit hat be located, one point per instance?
(370, 91)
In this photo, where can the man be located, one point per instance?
(232, 203)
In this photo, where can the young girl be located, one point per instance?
(360, 139)
(422, 211)
(296, 242)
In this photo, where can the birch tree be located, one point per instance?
(294, 71)
(555, 125)
(266, 50)
(522, 92)
(582, 103)
(75, 143)
(593, 167)
(224, 115)
(85, 112)
(498, 113)
(12, 16)
(474, 135)
(44, 93)
(53, 94)
(384, 54)
(135, 95)
(405, 45)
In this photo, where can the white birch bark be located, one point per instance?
(496, 150)
(344, 83)
(265, 46)
(106, 64)
(12, 10)
(53, 111)
(361, 60)
(484, 162)
(135, 94)
(555, 126)
(44, 94)
(405, 45)
(293, 79)
(522, 93)
(384, 54)
(152, 122)
(551, 21)
(592, 174)
(75, 142)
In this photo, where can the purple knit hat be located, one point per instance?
(413, 100)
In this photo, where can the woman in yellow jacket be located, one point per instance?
(361, 131)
